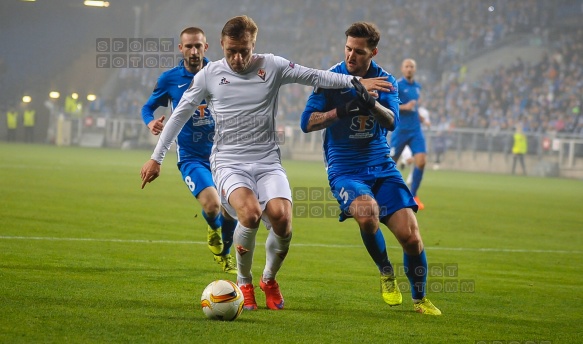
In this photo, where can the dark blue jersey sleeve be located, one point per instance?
(316, 103)
(390, 100)
(159, 97)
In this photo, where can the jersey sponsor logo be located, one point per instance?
(261, 73)
(362, 127)
(362, 123)
(201, 111)
(224, 81)
(181, 86)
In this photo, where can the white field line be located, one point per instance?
(186, 242)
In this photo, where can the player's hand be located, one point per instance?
(350, 109)
(150, 171)
(378, 84)
(362, 94)
(156, 125)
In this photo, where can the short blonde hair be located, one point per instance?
(237, 27)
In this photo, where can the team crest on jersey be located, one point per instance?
(291, 65)
(261, 73)
(241, 250)
(224, 81)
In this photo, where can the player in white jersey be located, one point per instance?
(241, 92)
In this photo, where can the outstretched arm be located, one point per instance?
(325, 79)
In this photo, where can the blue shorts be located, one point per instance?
(196, 175)
(414, 139)
(382, 182)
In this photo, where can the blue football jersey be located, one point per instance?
(357, 141)
(407, 92)
(195, 140)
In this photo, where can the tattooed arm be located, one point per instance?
(384, 116)
(321, 120)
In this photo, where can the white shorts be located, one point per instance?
(267, 181)
(405, 155)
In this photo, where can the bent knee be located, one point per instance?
(410, 239)
(280, 219)
(249, 216)
(212, 209)
(367, 224)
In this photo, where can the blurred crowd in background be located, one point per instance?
(441, 35)
(542, 93)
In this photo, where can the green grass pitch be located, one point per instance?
(86, 256)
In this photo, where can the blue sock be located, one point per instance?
(416, 182)
(214, 223)
(416, 270)
(227, 232)
(375, 245)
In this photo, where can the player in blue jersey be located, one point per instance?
(409, 132)
(362, 176)
(194, 143)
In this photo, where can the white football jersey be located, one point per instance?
(244, 106)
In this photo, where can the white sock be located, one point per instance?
(276, 249)
(244, 242)
(410, 176)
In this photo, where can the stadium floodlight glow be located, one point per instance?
(54, 95)
(74, 95)
(91, 97)
(26, 99)
(96, 3)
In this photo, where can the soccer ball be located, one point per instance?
(222, 300)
